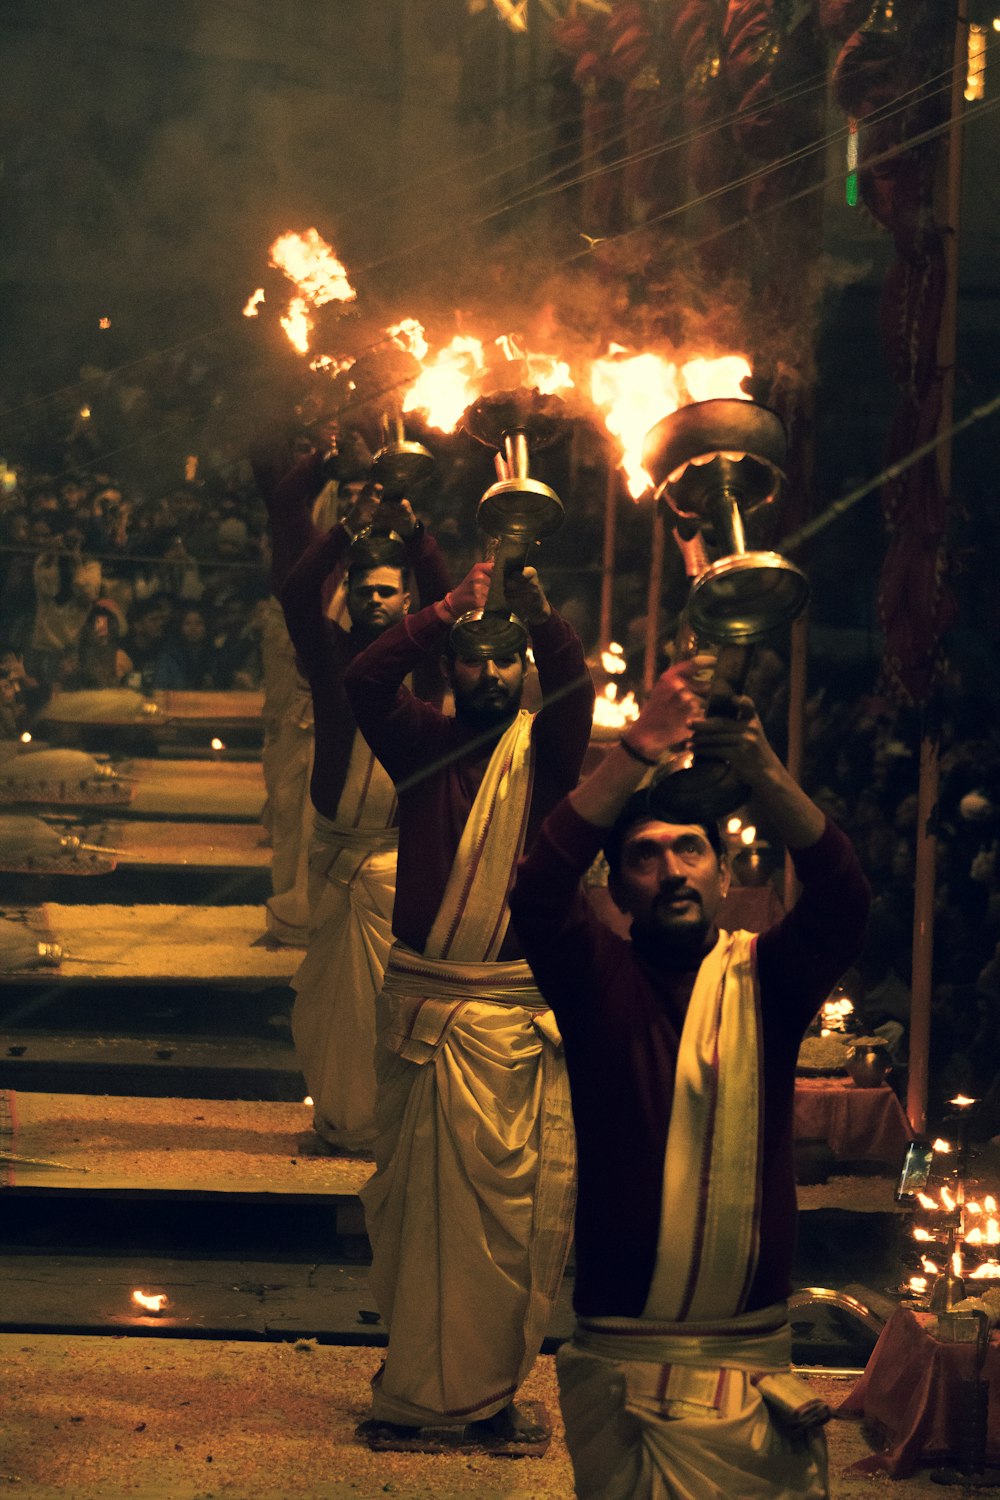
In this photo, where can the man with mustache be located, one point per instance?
(469, 1211)
(681, 1047)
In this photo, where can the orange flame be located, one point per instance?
(635, 391)
(409, 335)
(250, 310)
(447, 384)
(153, 1302)
(311, 264)
(297, 324)
(610, 712)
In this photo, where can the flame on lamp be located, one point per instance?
(408, 333)
(636, 391)
(612, 713)
(151, 1302)
(613, 659)
(447, 383)
(312, 265)
(297, 323)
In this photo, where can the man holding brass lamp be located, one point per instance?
(470, 1209)
(681, 1045)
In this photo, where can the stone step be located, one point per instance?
(159, 1066)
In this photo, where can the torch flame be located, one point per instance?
(636, 391)
(150, 1301)
(409, 335)
(311, 264)
(447, 384)
(297, 324)
(709, 379)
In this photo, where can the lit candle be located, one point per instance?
(153, 1303)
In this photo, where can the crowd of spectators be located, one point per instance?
(109, 582)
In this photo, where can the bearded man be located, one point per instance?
(681, 1048)
(352, 860)
(470, 1209)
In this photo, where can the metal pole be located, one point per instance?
(949, 198)
(608, 554)
(796, 724)
(651, 661)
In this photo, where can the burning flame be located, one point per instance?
(610, 713)
(917, 1284)
(326, 364)
(297, 324)
(548, 374)
(26, 738)
(747, 836)
(709, 379)
(636, 391)
(250, 310)
(962, 1101)
(942, 1147)
(217, 744)
(104, 323)
(447, 384)
(153, 1302)
(409, 335)
(613, 659)
(311, 264)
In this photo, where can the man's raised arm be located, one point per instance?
(387, 713)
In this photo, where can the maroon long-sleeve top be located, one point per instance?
(325, 650)
(437, 762)
(621, 1017)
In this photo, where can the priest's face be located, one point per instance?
(375, 600)
(487, 689)
(670, 880)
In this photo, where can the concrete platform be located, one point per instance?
(99, 1418)
(156, 945)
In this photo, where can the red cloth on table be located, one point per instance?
(857, 1124)
(909, 1395)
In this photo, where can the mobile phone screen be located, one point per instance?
(915, 1170)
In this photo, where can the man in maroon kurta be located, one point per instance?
(469, 1210)
(352, 860)
(621, 1006)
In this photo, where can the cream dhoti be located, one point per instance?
(352, 883)
(287, 758)
(690, 1412)
(680, 1403)
(470, 1209)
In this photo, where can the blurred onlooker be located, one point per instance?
(187, 658)
(148, 621)
(66, 586)
(97, 660)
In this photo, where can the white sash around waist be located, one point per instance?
(422, 998)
